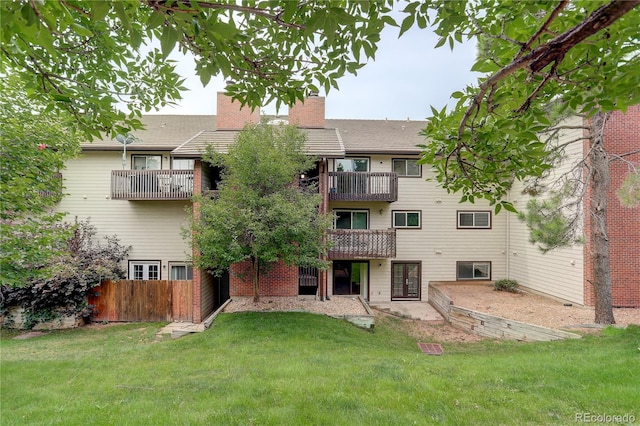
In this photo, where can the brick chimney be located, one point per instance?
(309, 114)
(231, 116)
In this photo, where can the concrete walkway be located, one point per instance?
(414, 310)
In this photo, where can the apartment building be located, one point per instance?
(394, 230)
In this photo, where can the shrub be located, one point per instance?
(506, 285)
(82, 266)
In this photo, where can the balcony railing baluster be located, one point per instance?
(361, 186)
(151, 184)
(362, 243)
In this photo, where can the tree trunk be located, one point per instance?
(256, 278)
(600, 183)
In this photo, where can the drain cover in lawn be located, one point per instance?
(431, 348)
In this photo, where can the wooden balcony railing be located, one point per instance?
(151, 184)
(361, 186)
(362, 243)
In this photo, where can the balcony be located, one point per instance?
(362, 243)
(151, 184)
(361, 186)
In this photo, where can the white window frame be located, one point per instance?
(337, 164)
(474, 265)
(146, 265)
(406, 212)
(406, 168)
(146, 156)
(188, 269)
(474, 213)
(180, 163)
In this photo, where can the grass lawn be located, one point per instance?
(299, 369)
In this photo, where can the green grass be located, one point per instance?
(296, 368)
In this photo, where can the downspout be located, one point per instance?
(508, 243)
(325, 194)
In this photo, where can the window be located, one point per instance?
(146, 162)
(182, 164)
(473, 270)
(406, 167)
(408, 219)
(352, 165)
(351, 219)
(481, 220)
(180, 271)
(144, 270)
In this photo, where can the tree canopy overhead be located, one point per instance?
(86, 56)
(538, 62)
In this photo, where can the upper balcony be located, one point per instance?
(362, 243)
(363, 186)
(151, 184)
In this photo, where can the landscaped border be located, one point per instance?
(487, 325)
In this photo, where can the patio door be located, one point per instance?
(405, 281)
(350, 278)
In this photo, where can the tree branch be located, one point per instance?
(552, 51)
(160, 4)
(545, 26)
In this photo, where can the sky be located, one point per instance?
(406, 78)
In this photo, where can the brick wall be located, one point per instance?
(281, 281)
(230, 116)
(622, 135)
(309, 114)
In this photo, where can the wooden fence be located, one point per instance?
(138, 300)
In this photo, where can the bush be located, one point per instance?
(506, 285)
(82, 266)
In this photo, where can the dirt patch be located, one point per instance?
(336, 306)
(433, 331)
(30, 335)
(531, 308)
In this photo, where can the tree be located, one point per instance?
(84, 55)
(35, 144)
(80, 266)
(260, 214)
(541, 61)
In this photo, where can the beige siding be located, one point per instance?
(152, 228)
(560, 271)
(438, 245)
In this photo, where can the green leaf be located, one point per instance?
(81, 30)
(509, 207)
(99, 9)
(407, 23)
(155, 20)
(168, 40)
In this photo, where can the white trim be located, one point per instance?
(147, 270)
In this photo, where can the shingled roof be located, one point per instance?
(379, 136)
(320, 142)
(162, 132)
(187, 136)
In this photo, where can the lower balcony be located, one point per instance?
(362, 243)
(151, 184)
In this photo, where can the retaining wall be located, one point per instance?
(487, 325)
